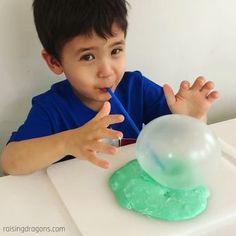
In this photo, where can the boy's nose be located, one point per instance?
(105, 70)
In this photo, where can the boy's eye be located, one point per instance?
(87, 57)
(116, 51)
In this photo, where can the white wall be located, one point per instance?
(168, 40)
(174, 40)
(23, 73)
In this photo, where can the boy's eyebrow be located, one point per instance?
(80, 50)
(84, 49)
(121, 42)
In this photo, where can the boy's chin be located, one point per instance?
(103, 95)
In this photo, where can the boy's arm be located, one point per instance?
(24, 157)
(192, 100)
(27, 156)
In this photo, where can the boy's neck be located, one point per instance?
(93, 105)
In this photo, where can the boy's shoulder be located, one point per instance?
(135, 79)
(132, 75)
(59, 89)
(131, 78)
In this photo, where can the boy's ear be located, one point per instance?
(53, 64)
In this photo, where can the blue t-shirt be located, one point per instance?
(59, 109)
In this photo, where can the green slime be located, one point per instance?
(137, 191)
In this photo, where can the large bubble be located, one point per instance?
(178, 151)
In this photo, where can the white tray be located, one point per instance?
(84, 190)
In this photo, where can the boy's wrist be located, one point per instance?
(61, 143)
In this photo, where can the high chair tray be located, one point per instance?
(84, 190)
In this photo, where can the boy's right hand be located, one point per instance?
(85, 142)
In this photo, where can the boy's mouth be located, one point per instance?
(104, 90)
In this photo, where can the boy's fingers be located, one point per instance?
(104, 111)
(198, 83)
(213, 96)
(208, 86)
(98, 161)
(185, 85)
(169, 94)
(104, 148)
(112, 134)
(111, 119)
(108, 133)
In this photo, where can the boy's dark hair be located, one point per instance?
(58, 21)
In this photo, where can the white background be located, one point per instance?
(168, 40)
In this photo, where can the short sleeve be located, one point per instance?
(154, 101)
(36, 125)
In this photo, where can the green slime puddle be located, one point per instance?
(136, 190)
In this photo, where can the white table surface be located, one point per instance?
(32, 200)
(226, 130)
(84, 191)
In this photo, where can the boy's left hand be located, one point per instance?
(192, 100)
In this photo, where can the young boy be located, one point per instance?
(85, 40)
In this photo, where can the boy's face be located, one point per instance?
(92, 64)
